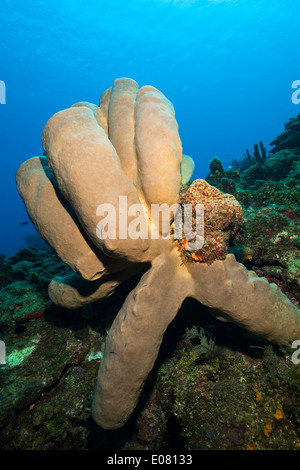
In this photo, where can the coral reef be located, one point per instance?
(276, 181)
(275, 168)
(289, 138)
(272, 180)
(191, 396)
(129, 146)
(270, 196)
(214, 386)
(216, 168)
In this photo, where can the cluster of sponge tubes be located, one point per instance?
(129, 146)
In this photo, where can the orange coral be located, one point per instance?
(251, 445)
(279, 412)
(258, 396)
(223, 217)
(267, 427)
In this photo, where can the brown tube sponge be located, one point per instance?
(129, 147)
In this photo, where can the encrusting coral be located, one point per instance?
(223, 217)
(129, 147)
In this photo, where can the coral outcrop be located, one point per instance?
(274, 181)
(289, 138)
(129, 147)
(223, 217)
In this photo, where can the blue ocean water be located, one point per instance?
(227, 66)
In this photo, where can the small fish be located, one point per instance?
(24, 223)
(238, 172)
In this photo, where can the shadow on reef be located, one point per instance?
(213, 385)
